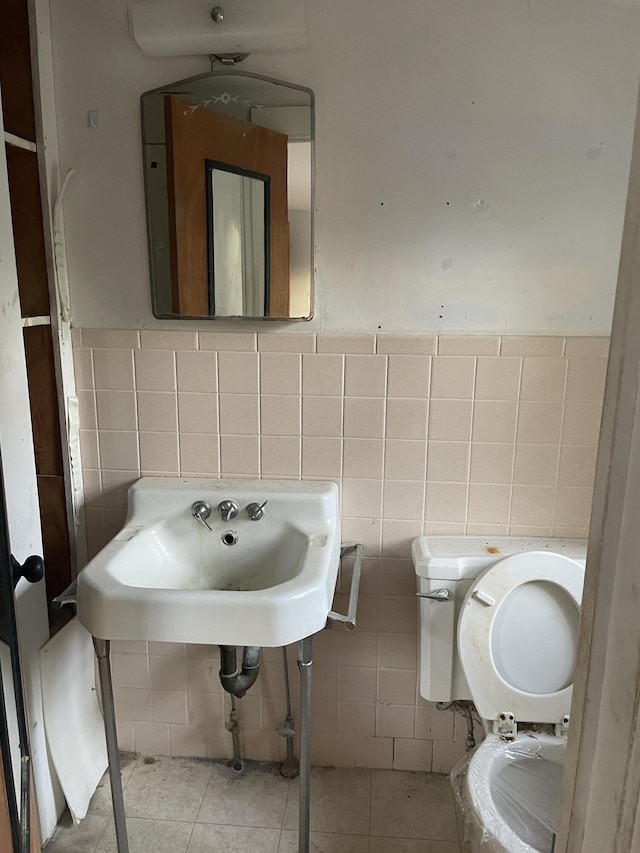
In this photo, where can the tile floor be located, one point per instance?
(199, 806)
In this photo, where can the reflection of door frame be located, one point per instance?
(210, 166)
(601, 808)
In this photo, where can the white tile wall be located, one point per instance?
(476, 435)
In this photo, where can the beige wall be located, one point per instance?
(472, 160)
(478, 435)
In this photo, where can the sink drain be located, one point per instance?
(229, 537)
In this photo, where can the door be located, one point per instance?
(16, 447)
(193, 138)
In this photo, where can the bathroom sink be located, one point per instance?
(166, 577)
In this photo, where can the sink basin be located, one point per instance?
(165, 577)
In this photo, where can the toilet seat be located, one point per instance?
(518, 634)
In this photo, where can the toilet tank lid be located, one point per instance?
(460, 557)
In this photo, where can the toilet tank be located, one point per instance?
(453, 563)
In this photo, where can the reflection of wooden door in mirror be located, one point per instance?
(193, 137)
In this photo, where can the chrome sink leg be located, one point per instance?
(106, 690)
(305, 660)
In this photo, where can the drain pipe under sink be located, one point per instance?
(238, 681)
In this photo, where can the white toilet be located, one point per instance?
(499, 621)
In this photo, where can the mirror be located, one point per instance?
(228, 165)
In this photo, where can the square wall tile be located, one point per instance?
(539, 423)
(403, 499)
(491, 463)
(489, 503)
(323, 374)
(577, 465)
(281, 456)
(374, 752)
(448, 461)
(397, 536)
(543, 378)
(197, 371)
(115, 488)
(239, 454)
(321, 457)
(586, 379)
(405, 460)
(280, 373)
(118, 450)
(581, 423)
(280, 415)
(362, 498)
(452, 377)
(446, 502)
(365, 376)
(113, 370)
(397, 686)
(412, 755)
(536, 464)
(450, 420)
(239, 414)
(409, 376)
(238, 372)
(356, 718)
(395, 721)
(398, 614)
(199, 454)
(155, 370)
(197, 413)
(364, 417)
(573, 507)
(367, 531)
(363, 458)
(357, 684)
(498, 378)
(157, 411)
(398, 651)
(432, 724)
(322, 416)
(533, 505)
(406, 418)
(116, 410)
(494, 421)
(159, 452)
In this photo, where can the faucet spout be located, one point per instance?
(228, 509)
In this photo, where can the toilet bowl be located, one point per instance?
(512, 793)
(505, 636)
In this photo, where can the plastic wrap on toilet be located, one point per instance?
(518, 812)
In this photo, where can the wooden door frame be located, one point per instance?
(602, 775)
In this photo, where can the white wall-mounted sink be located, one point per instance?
(165, 577)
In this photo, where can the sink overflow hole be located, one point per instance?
(229, 538)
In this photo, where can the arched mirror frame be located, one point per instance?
(157, 217)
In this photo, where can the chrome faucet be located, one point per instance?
(201, 512)
(255, 511)
(228, 509)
